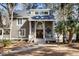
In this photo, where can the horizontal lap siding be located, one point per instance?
(15, 29)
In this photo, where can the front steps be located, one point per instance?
(39, 41)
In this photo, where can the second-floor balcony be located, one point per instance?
(41, 14)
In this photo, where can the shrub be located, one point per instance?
(0, 41)
(6, 42)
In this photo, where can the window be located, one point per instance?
(36, 13)
(20, 21)
(0, 32)
(22, 32)
(45, 12)
(41, 12)
(6, 31)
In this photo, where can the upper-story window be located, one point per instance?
(41, 13)
(45, 12)
(19, 21)
(36, 13)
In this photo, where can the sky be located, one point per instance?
(35, 5)
(18, 7)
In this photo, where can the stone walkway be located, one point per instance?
(46, 50)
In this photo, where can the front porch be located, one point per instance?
(41, 31)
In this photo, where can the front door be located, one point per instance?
(40, 32)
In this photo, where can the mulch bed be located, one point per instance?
(16, 45)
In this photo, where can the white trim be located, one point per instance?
(16, 38)
(24, 32)
(41, 20)
(18, 21)
(44, 30)
(30, 27)
(35, 29)
(41, 13)
(39, 9)
(30, 37)
(42, 25)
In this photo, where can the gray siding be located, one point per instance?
(16, 28)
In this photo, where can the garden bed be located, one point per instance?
(16, 45)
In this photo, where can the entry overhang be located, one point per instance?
(42, 18)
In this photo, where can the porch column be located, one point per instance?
(30, 30)
(44, 31)
(53, 29)
(35, 41)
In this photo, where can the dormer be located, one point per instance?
(34, 12)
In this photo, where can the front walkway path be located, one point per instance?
(46, 50)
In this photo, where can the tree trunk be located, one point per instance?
(77, 37)
(58, 38)
(70, 37)
(11, 25)
(64, 37)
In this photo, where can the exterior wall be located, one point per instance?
(6, 36)
(50, 34)
(25, 25)
(16, 28)
(33, 28)
(46, 24)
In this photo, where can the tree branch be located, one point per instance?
(3, 6)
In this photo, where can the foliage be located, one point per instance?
(60, 28)
(5, 42)
(77, 28)
(71, 24)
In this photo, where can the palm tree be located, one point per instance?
(63, 13)
(70, 23)
(64, 27)
(61, 29)
(71, 28)
(77, 33)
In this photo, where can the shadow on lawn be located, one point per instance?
(42, 51)
(74, 46)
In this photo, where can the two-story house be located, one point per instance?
(38, 25)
